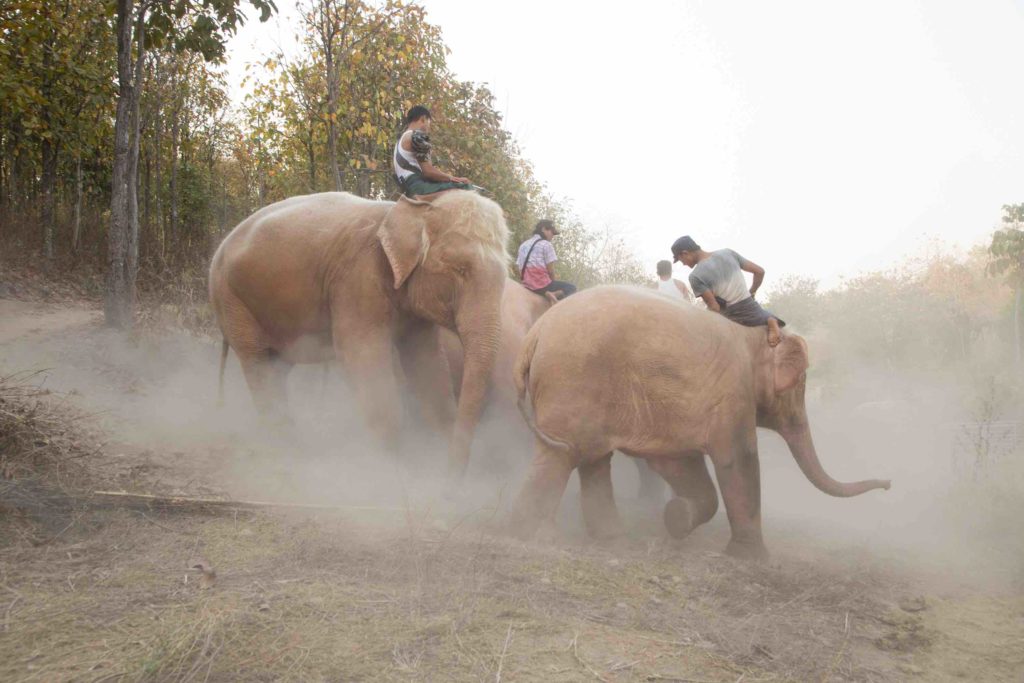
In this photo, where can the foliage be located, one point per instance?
(929, 314)
(205, 162)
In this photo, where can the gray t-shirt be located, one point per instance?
(721, 275)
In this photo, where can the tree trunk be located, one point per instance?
(332, 118)
(49, 181)
(122, 245)
(76, 226)
(1016, 322)
(175, 140)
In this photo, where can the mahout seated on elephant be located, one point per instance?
(627, 369)
(717, 277)
(535, 262)
(415, 173)
(334, 275)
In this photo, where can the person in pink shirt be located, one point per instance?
(536, 263)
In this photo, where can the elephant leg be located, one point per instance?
(367, 359)
(696, 500)
(267, 377)
(600, 515)
(426, 370)
(542, 492)
(734, 455)
(651, 487)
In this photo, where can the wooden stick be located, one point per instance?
(173, 502)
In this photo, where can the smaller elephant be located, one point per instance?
(622, 368)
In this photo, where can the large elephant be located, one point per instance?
(332, 274)
(520, 309)
(620, 368)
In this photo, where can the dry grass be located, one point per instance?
(114, 596)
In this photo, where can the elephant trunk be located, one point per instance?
(480, 339)
(802, 447)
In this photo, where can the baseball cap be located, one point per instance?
(684, 243)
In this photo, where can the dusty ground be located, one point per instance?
(413, 590)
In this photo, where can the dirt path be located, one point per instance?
(406, 592)
(19, 319)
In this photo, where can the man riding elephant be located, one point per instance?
(414, 171)
(717, 278)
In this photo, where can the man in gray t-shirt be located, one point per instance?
(717, 277)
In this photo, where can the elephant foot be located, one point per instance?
(750, 550)
(680, 517)
(521, 525)
(547, 533)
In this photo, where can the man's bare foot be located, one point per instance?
(552, 297)
(774, 333)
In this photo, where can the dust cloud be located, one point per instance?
(948, 443)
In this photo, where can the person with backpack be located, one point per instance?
(536, 264)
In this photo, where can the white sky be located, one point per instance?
(815, 138)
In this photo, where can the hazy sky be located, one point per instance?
(815, 138)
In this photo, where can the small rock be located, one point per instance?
(677, 579)
(621, 605)
(264, 607)
(246, 532)
(917, 604)
(545, 580)
(613, 562)
(656, 601)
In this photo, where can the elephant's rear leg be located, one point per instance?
(652, 487)
(542, 492)
(696, 500)
(267, 377)
(264, 371)
(600, 515)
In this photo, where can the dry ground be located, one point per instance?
(396, 593)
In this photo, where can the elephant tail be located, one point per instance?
(223, 363)
(522, 380)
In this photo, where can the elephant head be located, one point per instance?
(781, 380)
(449, 262)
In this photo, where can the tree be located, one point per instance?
(200, 26)
(1007, 253)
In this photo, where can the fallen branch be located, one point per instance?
(30, 495)
(183, 502)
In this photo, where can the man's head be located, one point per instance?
(685, 250)
(664, 269)
(546, 229)
(419, 117)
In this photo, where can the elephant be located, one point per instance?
(334, 275)
(520, 309)
(623, 368)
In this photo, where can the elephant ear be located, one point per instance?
(790, 362)
(403, 234)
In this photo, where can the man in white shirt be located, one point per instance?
(670, 286)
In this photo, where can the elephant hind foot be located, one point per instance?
(680, 517)
(751, 550)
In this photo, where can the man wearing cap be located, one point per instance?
(536, 263)
(717, 277)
